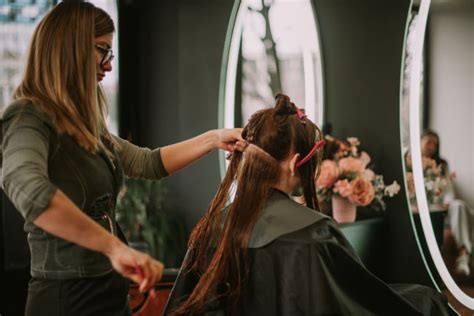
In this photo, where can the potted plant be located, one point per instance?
(148, 225)
(347, 180)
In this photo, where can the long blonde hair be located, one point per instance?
(60, 75)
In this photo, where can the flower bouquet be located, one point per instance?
(434, 178)
(345, 173)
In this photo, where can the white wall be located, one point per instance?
(451, 87)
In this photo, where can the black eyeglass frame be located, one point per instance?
(107, 54)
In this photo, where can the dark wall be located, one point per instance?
(362, 43)
(171, 53)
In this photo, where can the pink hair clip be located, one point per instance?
(316, 146)
(300, 113)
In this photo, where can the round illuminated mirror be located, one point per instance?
(272, 46)
(437, 114)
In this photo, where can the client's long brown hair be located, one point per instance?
(251, 175)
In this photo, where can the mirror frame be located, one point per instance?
(228, 74)
(415, 147)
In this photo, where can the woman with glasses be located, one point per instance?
(63, 169)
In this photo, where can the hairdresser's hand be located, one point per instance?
(137, 266)
(226, 138)
(239, 146)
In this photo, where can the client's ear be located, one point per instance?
(293, 162)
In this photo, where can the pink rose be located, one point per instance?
(343, 187)
(365, 158)
(351, 164)
(369, 175)
(362, 192)
(328, 175)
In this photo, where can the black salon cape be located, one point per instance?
(301, 264)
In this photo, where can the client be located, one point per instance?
(257, 252)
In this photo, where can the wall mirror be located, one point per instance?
(272, 46)
(437, 114)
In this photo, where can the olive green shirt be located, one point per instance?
(37, 161)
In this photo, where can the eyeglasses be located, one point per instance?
(107, 54)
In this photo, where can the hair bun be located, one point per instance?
(284, 106)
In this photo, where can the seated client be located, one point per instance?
(257, 252)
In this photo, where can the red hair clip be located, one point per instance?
(300, 113)
(316, 146)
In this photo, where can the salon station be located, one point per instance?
(390, 84)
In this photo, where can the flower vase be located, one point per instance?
(343, 210)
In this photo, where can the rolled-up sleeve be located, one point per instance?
(25, 147)
(139, 162)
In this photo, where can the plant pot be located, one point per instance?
(343, 210)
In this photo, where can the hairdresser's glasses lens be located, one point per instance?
(107, 54)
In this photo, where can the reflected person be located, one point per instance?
(460, 217)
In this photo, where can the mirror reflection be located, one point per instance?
(280, 52)
(274, 48)
(446, 134)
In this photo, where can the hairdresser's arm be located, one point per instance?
(62, 218)
(179, 155)
(25, 146)
(139, 162)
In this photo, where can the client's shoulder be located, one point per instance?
(282, 216)
(281, 206)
